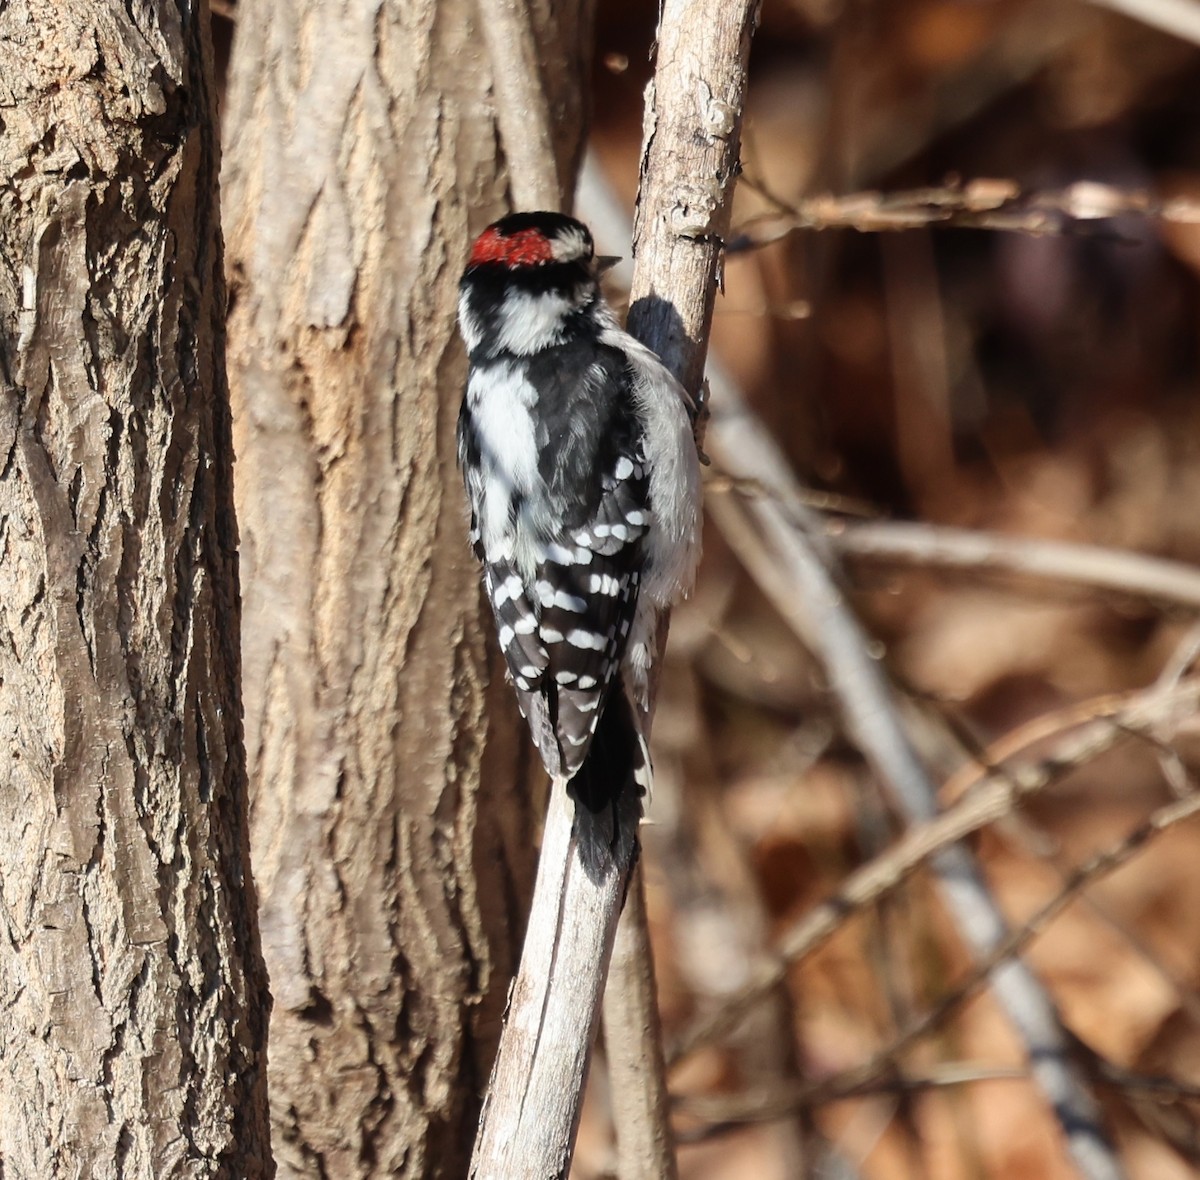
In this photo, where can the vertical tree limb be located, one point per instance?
(692, 135)
(693, 119)
(633, 1044)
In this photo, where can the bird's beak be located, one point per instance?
(605, 263)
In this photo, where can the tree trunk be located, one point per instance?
(393, 826)
(132, 995)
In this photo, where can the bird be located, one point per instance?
(582, 472)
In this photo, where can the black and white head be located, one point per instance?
(532, 279)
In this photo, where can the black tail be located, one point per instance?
(608, 788)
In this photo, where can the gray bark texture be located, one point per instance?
(133, 1001)
(393, 823)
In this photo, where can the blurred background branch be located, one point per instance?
(1181, 18)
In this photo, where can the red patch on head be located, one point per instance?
(527, 247)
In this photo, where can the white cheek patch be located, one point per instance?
(528, 323)
(468, 323)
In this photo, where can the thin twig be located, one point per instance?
(1178, 17)
(532, 1109)
(1091, 871)
(522, 111)
(981, 204)
(864, 1078)
(801, 576)
(693, 127)
(1063, 562)
(996, 796)
(802, 581)
(726, 1112)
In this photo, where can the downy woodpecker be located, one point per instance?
(581, 468)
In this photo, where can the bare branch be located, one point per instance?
(872, 716)
(992, 797)
(1178, 17)
(887, 871)
(1066, 562)
(633, 1037)
(522, 111)
(724, 1112)
(800, 577)
(532, 1110)
(689, 160)
(980, 204)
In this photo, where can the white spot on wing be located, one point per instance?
(510, 588)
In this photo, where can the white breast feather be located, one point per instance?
(499, 399)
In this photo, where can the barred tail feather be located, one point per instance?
(609, 787)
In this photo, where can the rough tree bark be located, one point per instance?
(132, 996)
(393, 827)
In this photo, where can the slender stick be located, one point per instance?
(689, 160)
(799, 574)
(992, 797)
(532, 1109)
(802, 579)
(1065, 562)
(861, 1079)
(521, 106)
(531, 1113)
(633, 1039)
